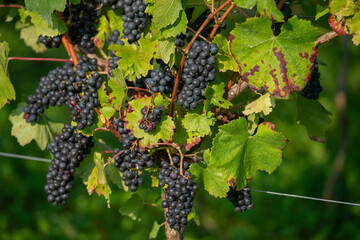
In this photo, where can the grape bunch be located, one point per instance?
(114, 39)
(50, 42)
(180, 40)
(150, 118)
(160, 80)
(198, 72)
(82, 28)
(131, 160)
(134, 19)
(68, 150)
(240, 199)
(313, 88)
(179, 197)
(63, 85)
(286, 11)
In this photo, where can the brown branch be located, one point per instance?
(170, 233)
(217, 25)
(177, 80)
(108, 125)
(41, 59)
(340, 100)
(231, 82)
(235, 90)
(281, 3)
(66, 41)
(11, 6)
(201, 36)
(326, 38)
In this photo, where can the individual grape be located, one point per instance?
(50, 42)
(160, 80)
(68, 150)
(150, 118)
(132, 159)
(313, 88)
(179, 197)
(197, 73)
(241, 199)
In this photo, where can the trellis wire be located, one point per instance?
(253, 190)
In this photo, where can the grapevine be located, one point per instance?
(188, 90)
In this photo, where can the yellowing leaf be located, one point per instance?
(264, 104)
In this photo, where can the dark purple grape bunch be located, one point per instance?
(150, 118)
(50, 42)
(180, 40)
(132, 159)
(114, 39)
(134, 19)
(198, 71)
(161, 80)
(313, 88)
(82, 27)
(241, 199)
(179, 195)
(68, 150)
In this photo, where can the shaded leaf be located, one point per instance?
(133, 207)
(265, 7)
(45, 8)
(155, 229)
(7, 91)
(164, 12)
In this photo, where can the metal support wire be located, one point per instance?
(304, 197)
(253, 190)
(24, 157)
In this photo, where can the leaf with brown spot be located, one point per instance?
(280, 64)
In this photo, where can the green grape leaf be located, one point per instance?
(7, 91)
(224, 59)
(13, 12)
(314, 117)
(198, 124)
(265, 7)
(97, 179)
(264, 104)
(133, 207)
(236, 155)
(194, 216)
(116, 23)
(42, 132)
(164, 12)
(42, 27)
(167, 49)
(164, 128)
(172, 30)
(45, 8)
(155, 229)
(214, 95)
(180, 134)
(135, 59)
(30, 39)
(119, 88)
(354, 28)
(103, 31)
(75, 2)
(278, 64)
(343, 8)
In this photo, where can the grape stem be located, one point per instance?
(11, 6)
(222, 18)
(41, 59)
(108, 162)
(326, 37)
(178, 76)
(281, 3)
(140, 89)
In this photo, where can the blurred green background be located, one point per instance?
(26, 214)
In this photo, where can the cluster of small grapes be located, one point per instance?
(134, 19)
(82, 29)
(64, 85)
(240, 199)
(132, 159)
(150, 119)
(160, 80)
(179, 197)
(286, 11)
(198, 72)
(50, 42)
(114, 39)
(68, 150)
(313, 88)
